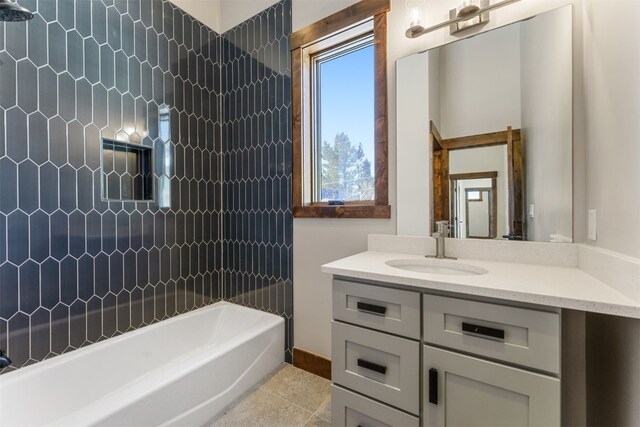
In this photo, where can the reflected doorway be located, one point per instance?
(475, 204)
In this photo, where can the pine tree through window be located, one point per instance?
(343, 102)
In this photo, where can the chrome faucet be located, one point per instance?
(4, 359)
(442, 228)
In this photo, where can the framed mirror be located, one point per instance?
(487, 122)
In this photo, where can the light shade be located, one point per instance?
(415, 12)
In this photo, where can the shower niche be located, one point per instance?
(127, 171)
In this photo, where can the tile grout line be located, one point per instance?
(317, 412)
(288, 401)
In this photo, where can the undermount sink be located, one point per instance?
(436, 266)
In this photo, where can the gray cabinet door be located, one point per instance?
(349, 409)
(382, 366)
(463, 391)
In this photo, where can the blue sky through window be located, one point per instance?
(347, 99)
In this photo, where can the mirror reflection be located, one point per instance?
(500, 131)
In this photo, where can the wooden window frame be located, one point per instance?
(340, 22)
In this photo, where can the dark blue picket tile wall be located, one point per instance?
(256, 146)
(75, 269)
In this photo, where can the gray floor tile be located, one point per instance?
(263, 409)
(299, 387)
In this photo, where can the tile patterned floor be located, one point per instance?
(291, 397)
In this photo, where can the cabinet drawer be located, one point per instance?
(382, 366)
(349, 409)
(461, 390)
(516, 335)
(385, 309)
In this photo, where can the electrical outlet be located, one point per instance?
(532, 211)
(591, 225)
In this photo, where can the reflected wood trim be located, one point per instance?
(311, 362)
(493, 216)
(437, 138)
(337, 22)
(437, 185)
(510, 188)
(482, 140)
(445, 186)
(519, 216)
(473, 175)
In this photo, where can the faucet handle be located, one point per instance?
(4, 359)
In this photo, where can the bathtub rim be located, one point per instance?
(31, 370)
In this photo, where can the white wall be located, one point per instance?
(547, 75)
(486, 159)
(612, 99)
(483, 100)
(233, 12)
(414, 188)
(222, 15)
(433, 94)
(612, 109)
(206, 11)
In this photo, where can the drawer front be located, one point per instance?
(349, 409)
(382, 366)
(516, 335)
(385, 309)
(462, 390)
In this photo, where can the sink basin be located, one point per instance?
(436, 266)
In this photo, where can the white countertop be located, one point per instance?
(555, 286)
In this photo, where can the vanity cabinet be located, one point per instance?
(515, 335)
(405, 357)
(375, 340)
(461, 390)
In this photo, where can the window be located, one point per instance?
(343, 85)
(474, 195)
(339, 115)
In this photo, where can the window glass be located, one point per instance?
(344, 123)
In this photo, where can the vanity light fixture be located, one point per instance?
(468, 14)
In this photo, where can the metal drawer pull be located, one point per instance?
(372, 308)
(433, 386)
(483, 330)
(372, 366)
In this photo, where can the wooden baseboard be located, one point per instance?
(312, 362)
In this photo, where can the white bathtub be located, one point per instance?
(181, 371)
